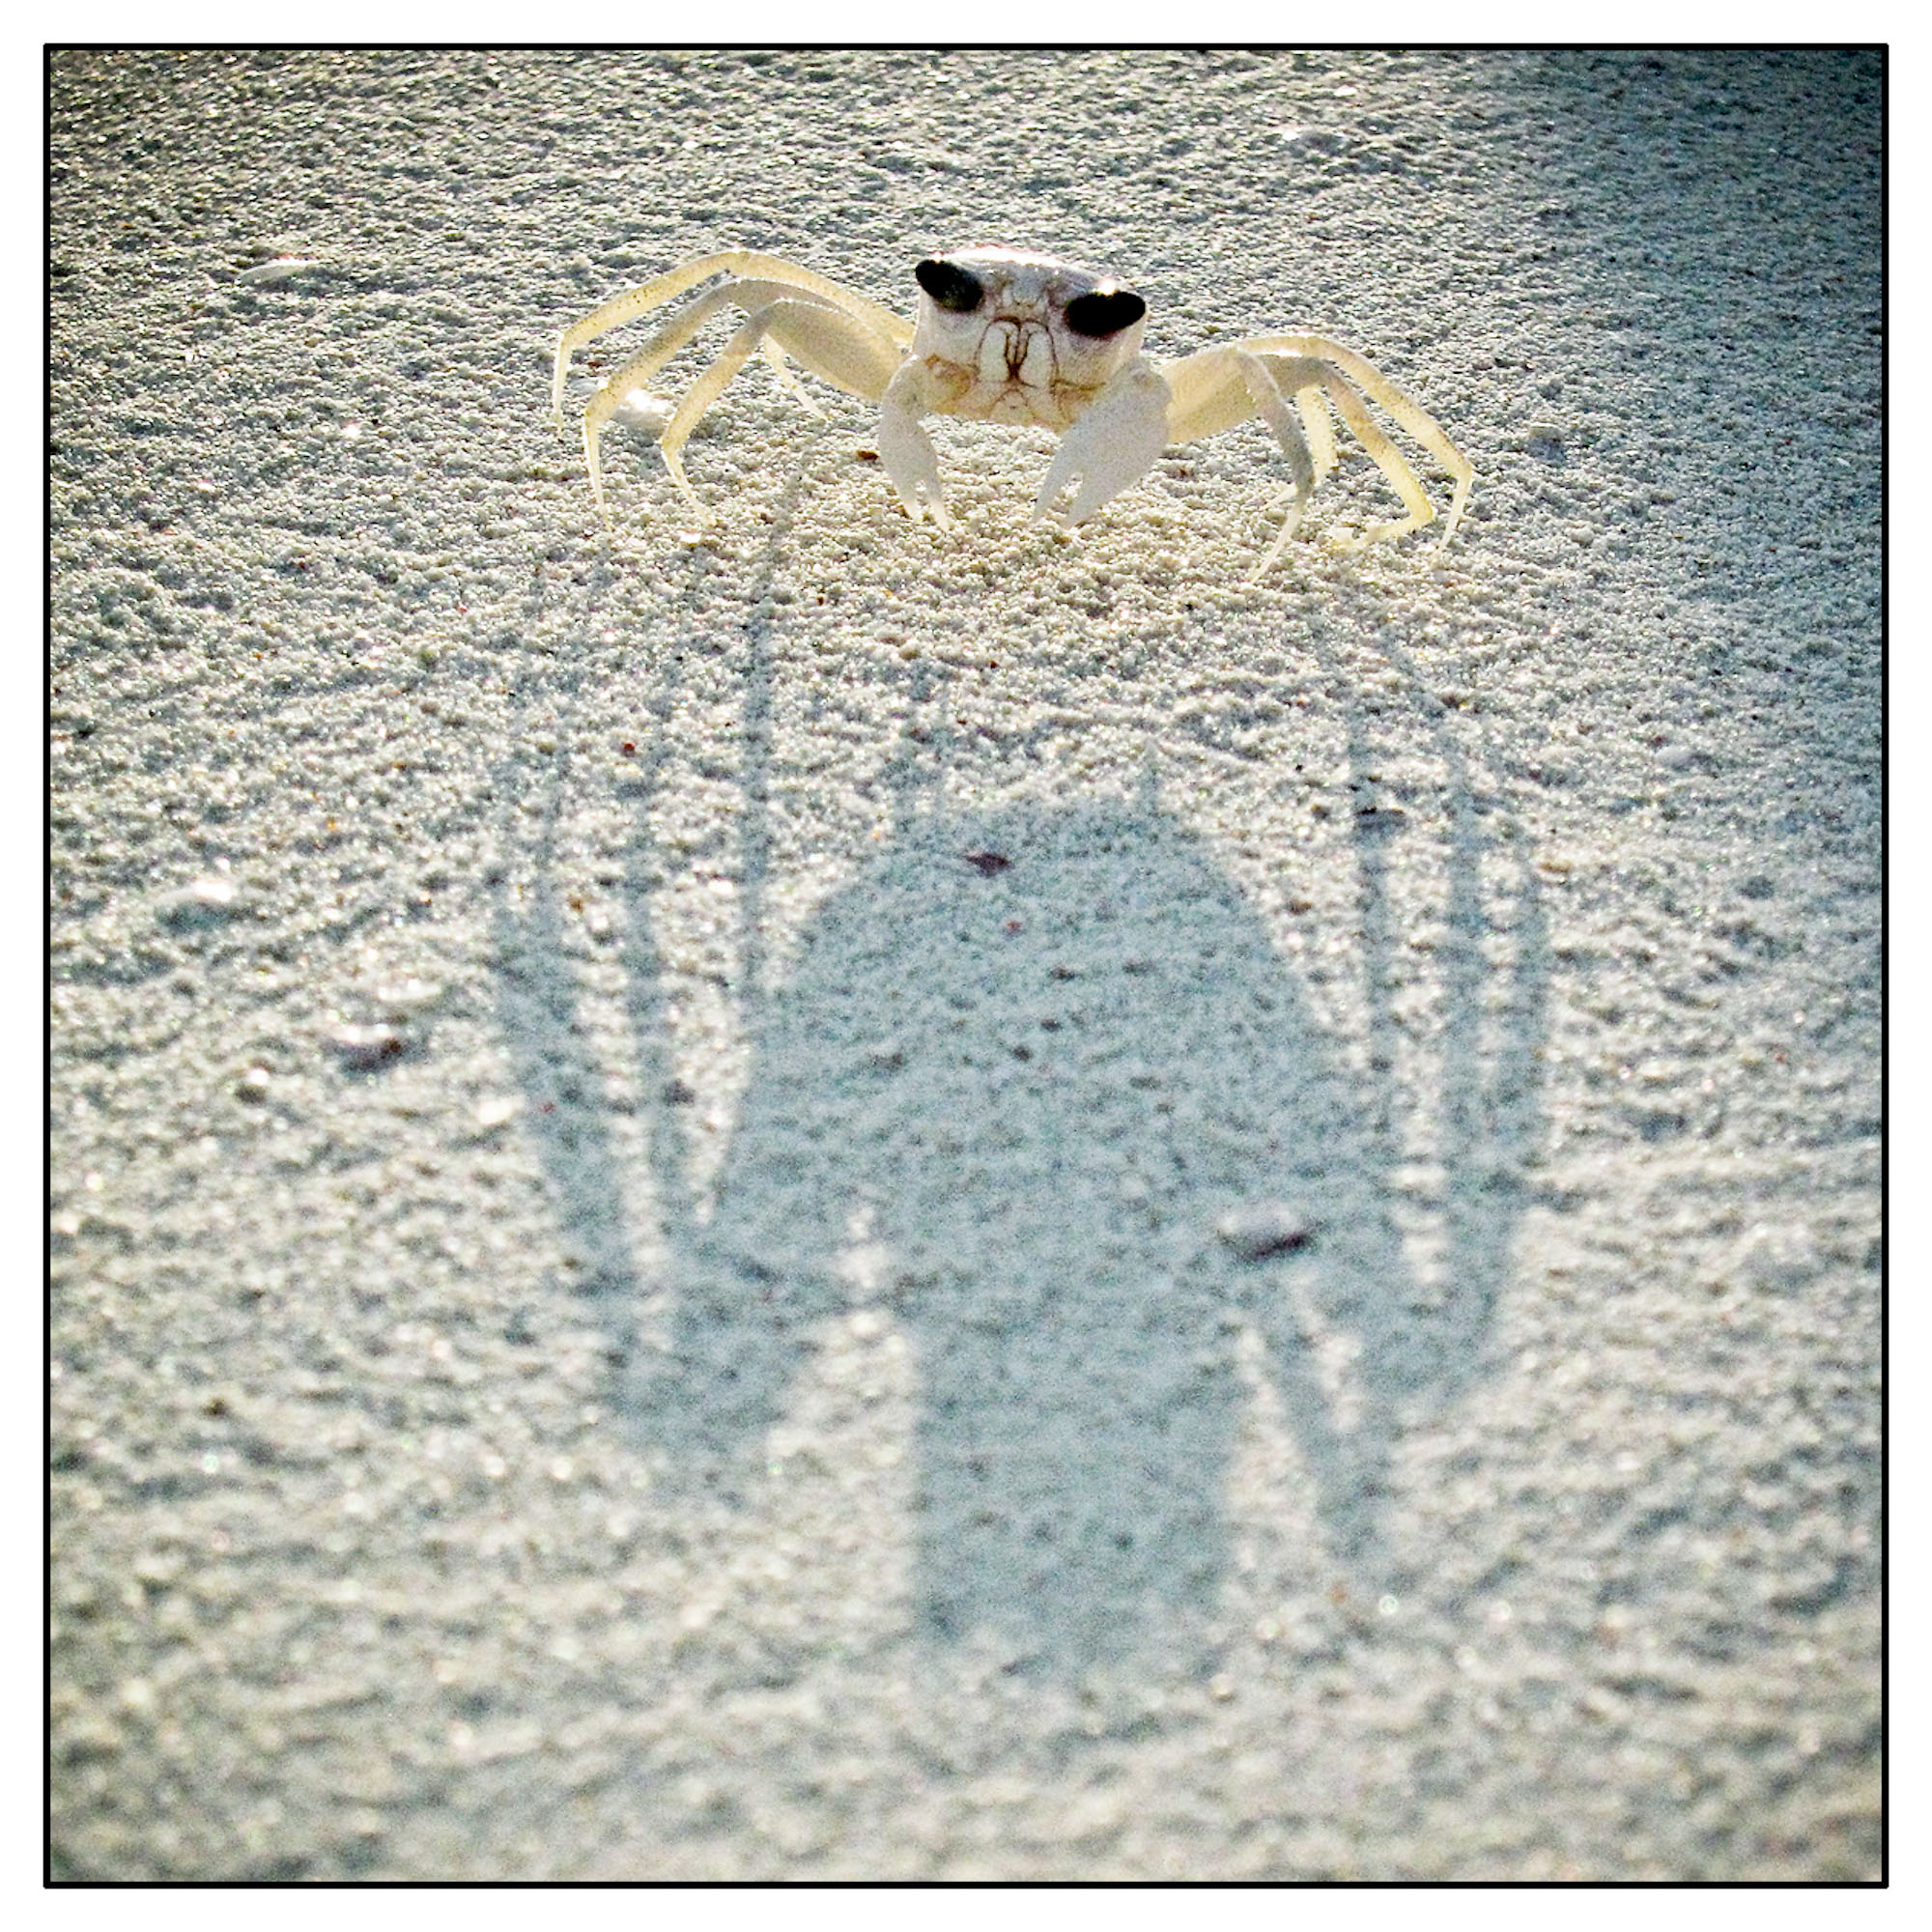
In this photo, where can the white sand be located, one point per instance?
(1322, 1322)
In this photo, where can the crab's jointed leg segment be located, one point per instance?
(1264, 379)
(1318, 427)
(785, 380)
(630, 375)
(1217, 388)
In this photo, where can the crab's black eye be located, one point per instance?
(951, 286)
(1104, 311)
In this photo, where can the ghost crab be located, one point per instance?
(1006, 337)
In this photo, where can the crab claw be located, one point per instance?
(1117, 441)
(907, 451)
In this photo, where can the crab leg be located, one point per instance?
(1389, 460)
(1270, 404)
(741, 262)
(1377, 389)
(1318, 426)
(682, 327)
(1213, 393)
(840, 348)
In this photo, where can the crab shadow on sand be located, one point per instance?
(1041, 1088)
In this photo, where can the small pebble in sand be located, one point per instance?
(362, 1047)
(1263, 1227)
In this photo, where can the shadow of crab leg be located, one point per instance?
(739, 261)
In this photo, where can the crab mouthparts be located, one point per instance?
(1016, 352)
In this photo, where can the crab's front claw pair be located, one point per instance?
(1117, 441)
